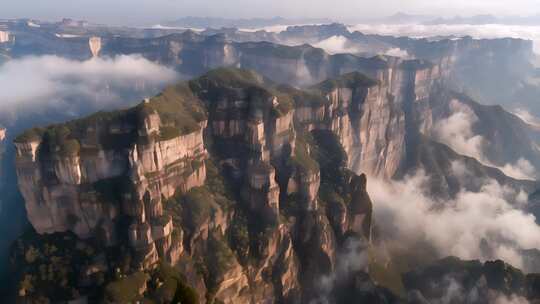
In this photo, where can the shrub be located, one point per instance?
(218, 260)
(127, 289)
(197, 205)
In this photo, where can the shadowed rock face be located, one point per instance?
(505, 136)
(361, 206)
(3, 133)
(459, 281)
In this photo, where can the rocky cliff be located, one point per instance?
(252, 190)
(219, 177)
(95, 45)
(4, 36)
(194, 54)
(83, 175)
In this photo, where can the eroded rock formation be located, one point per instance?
(4, 36)
(95, 45)
(146, 168)
(251, 189)
(82, 176)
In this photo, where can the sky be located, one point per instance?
(146, 12)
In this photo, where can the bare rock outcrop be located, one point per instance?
(95, 45)
(4, 36)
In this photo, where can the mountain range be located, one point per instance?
(248, 182)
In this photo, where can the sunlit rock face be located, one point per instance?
(95, 45)
(4, 36)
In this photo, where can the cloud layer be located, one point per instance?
(479, 225)
(36, 84)
(456, 132)
(475, 31)
(337, 44)
(527, 117)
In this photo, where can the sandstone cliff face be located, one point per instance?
(4, 36)
(84, 175)
(371, 118)
(147, 167)
(95, 45)
(194, 54)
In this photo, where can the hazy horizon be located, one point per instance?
(146, 12)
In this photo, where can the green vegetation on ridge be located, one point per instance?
(350, 80)
(302, 157)
(229, 84)
(178, 109)
(127, 289)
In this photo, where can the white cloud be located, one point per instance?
(272, 29)
(336, 45)
(475, 31)
(513, 299)
(405, 213)
(527, 117)
(456, 131)
(454, 292)
(351, 258)
(35, 84)
(522, 169)
(341, 44)
(165, 27)
(397, 52)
